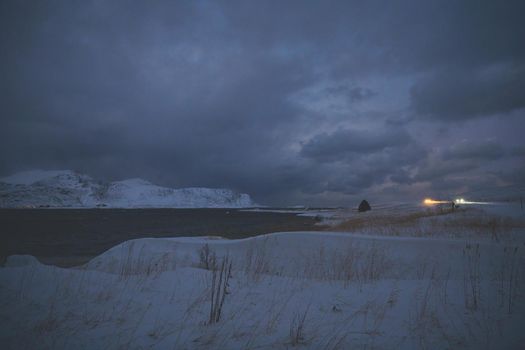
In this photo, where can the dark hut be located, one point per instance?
(364, 206)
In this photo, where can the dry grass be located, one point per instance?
(256, 263)
(143, 265)
(434, 222)
(496, 228)
(297, 327)
(472, 277)
(352, 263)
(374, 221)
(207, 258)
(219, 289)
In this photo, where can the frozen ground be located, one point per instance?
(422, 280)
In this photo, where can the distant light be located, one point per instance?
(430, 201)
(457, 201)
(464, 201)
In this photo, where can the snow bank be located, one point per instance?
(292, 253)
(312, 290)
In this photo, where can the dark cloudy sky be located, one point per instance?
(291, 101)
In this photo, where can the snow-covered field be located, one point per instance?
(433, 280)
(69, 189)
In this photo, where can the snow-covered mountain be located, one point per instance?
(138, 192)
(66, 188)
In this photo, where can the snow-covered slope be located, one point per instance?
(141, 193)
(296, 290)
(67, 188)
(61, 188)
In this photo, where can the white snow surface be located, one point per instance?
(310, 290)
(67, 188)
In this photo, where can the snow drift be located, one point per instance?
(314, 290)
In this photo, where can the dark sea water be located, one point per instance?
(69, 237)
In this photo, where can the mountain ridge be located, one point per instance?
(70, 189)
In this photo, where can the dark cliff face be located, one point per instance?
(364, 206)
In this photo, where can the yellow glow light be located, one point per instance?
(430, 201)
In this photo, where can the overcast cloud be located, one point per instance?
(317, 103)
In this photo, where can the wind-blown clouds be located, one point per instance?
(294, 102)
(480, 150)
(355, 160)
(348, 143)
(452, 95)
(482, 163)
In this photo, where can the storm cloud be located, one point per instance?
(457, 95)
(295, 103)
(346, 143)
